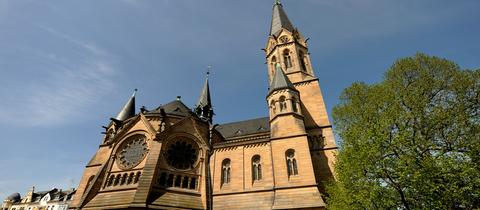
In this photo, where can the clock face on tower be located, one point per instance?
(132, 152)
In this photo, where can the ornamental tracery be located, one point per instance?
(132, 151)
(182, 153)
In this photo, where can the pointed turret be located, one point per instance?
(128, 110)
(280, 80)
(279, 20)
(204, 107)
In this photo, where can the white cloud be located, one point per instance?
(69, 88)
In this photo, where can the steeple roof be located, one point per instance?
(280, 80)
(128, 110)
(279, 20)
(204, 107)
(204, 99)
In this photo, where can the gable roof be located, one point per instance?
(244, 128)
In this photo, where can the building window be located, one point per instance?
(283, 103)
(256, 168)
(294, 104)
(272, 105)
(226, 171)
(137, 177)
(193, 184)
(273, 63)
(124, 179)
(170, 180)
(110, 180)
(291, 163)
(130, 178)
(117, 180)
(287, 59)
(303, 64)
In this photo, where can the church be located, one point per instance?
(174, 157)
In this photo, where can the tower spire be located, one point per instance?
(280, 20)
(204, 107)
(128, 109)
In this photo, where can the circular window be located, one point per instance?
(132, 152)
(182, 154)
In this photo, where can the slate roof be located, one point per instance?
(244, 128)
(204, 99)
(279, 20)
(176, 107)
(128, 110)
(280, 80)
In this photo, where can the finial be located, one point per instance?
(179, 97)
(134, 92)
(209, 67)
(278, 2)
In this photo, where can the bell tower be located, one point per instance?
(287, 50)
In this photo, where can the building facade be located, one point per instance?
(54, 199)
(173, 157)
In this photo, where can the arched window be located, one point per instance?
(272, 105)
(130, 178)
(287, 59)
(256, 168)
(170, 180)
(283, 103)
(185, 182)
(137, 177)
(110, 180)
(193, 183)
(117, 180)
(291, 162)
(294, 104)
(226, 171)
(303, 64)
(273, 63)
(124, 179)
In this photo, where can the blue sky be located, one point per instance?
(66, 67)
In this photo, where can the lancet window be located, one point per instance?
(256, 168)
(291, 163)
(287, 59)
(226, 171)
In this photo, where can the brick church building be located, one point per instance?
(173, 157)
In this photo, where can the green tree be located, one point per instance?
(411, 141)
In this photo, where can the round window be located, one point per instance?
(182, 153)
(132, 152)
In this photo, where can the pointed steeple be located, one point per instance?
(279, 19)
(128, 110)
(204, 107)
(280, 80)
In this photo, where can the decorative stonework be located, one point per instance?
(132, 152)
(182, 153)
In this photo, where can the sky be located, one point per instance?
(66, 67)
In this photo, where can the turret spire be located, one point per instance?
(280, 80)
(279, 20)
(204, 107)
(129, 108)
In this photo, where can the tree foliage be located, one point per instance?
(411, 141)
